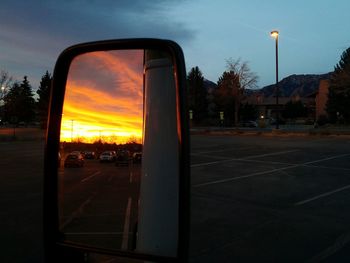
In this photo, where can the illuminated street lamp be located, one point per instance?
(275, 34)
(2, 92)
(2, 104)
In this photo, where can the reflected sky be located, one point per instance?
(104, 97)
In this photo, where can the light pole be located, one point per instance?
(274, 34)
(71, 131)
(2, 105)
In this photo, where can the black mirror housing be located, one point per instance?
(57, 248)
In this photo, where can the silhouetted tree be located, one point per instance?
(44, 98)
(231, 86)
(197, 95)
(338, 105)
(19, 102)
(223, 96)
(246, 80)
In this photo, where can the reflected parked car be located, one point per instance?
(90, 155)
(108, 156)
(137, 157)
(74, 160)
(59, 160)
(123, 158)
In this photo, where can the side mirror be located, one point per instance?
(117, 153)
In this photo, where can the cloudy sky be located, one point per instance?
(116, 86)
(313, 33)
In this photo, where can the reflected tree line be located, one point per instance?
(98, 147)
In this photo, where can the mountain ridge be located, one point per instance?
(294, 85)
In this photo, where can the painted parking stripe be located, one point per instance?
(322, 195)
(78, 212)
(91, 176)
(328, 158)
(269, 171)
(223, 150)
(126, 225)
(240, 159)
(245, 176)
(340, 243)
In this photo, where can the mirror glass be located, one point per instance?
(101, 149)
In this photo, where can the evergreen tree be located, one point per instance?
(19, 103)
(224, 95)
(197, 98)
(231, 87)
(338, 105)
(11, 100)
(44, 98)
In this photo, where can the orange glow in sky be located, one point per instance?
(104, 98)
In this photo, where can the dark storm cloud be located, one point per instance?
(90, 20)
(33, 33)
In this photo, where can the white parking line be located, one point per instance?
(245, 176)
(328, 167)
(322, 195)
(248, 160)
(340, 243)
(77, 212)
(130, 177)
(126, 225)
(266, 172)
(328, 158)
(223, 150)
(241, 159)
(91, 176)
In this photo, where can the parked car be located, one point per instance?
(90, 155)
(137, 157)
(107, 156)
(74, 160)
(123, 158)
(59, 160)
(250, 124)
(280, 121)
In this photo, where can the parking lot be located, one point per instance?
(254, 198)
(260, 198)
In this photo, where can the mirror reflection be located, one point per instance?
(101, 149)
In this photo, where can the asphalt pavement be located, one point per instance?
(270, 199)
(254, 198)
(99, 203)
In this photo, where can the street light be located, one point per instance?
(2, 105)
(2, 92)
(71, 131)
(275, 34)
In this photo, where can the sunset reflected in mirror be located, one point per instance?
(104, 98)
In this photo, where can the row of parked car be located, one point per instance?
(120, 157)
